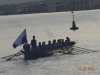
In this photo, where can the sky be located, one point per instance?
(2, 2)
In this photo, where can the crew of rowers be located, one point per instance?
(43, 46)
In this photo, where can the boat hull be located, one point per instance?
(29, 55)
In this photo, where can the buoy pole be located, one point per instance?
(72, 14)
(73, 17)
(73, 22)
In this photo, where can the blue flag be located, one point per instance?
(21, 39)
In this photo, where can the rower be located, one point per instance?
(67, 41)
(59, 44)
(49, 45)
(62, 43)
(26, 51)
(26, 47)
(33, 43)
(54, 44)
(39, 48)
(44, 47)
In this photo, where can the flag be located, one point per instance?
(21, 39)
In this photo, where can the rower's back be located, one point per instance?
(39, 48)
(49, 45)
(26, 47)
(67, 41)
(44, 46)
(33, 43)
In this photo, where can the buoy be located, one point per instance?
(73, 24)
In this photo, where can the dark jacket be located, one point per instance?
(33, 43)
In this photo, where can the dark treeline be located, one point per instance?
(41, 7)
(8, 9)
(22, 8)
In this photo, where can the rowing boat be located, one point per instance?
(29, 55)
(34, 54)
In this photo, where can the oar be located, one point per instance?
(81, 51)
(10, 55)
(17, 54)
(6, 56)
(84, 48)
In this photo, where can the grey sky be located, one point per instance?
(2, 2)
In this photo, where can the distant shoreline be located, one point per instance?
(42, 12)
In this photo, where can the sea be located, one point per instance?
(49, 26)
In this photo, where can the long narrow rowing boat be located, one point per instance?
(29, 55)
